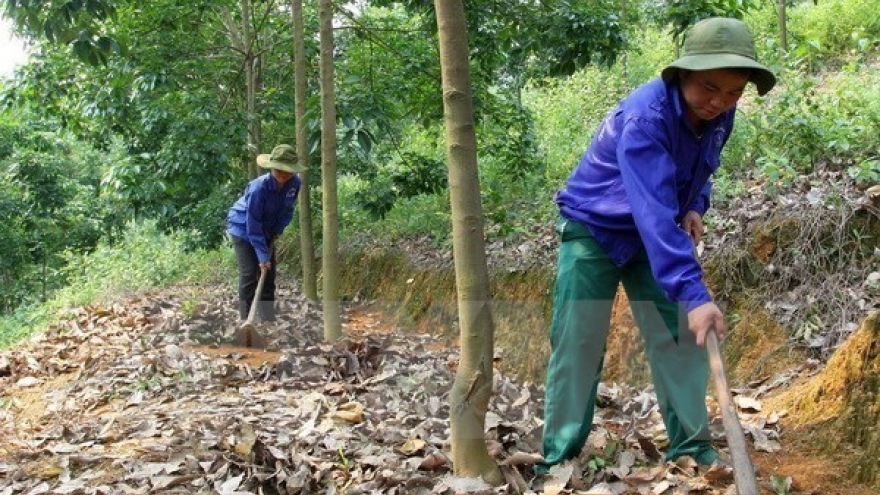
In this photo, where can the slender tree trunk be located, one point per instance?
(783, 30)
(306, 237)
(243, 39)
(253, 146)
(469, 398)
(330, 258)
(623, 21)
(257, 121)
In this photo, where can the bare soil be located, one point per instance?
(142, 397)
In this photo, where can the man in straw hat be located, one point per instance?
(258, 217)
(631, 212)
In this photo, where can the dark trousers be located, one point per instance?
(249, 276)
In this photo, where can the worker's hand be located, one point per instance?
(703, 319)
(265, 266)
(692, 224)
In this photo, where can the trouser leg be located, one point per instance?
(248, 274)
(248, 278)
(586, 283)
(679, 367)
(266, 304)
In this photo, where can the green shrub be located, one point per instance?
(567, 112)
(838, 26)
(832, 121)
(144, 259)
(426, 214)
(652, 50)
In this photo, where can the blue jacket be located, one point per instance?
(263, 212)
(644, 170)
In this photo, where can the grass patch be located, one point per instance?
(145, 259)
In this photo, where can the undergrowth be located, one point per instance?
(144, 259)
(810, 267)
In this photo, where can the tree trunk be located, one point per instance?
(243, 40)
(783, 30)
(253, 146)
(306, 237)
(469, 398)
(257, 121)
(330, 258)
(623, 20)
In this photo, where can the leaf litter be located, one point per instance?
(147, 397)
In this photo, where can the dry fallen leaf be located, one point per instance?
(747, 404)
(413, 446)
(559, 476)
(351, 412)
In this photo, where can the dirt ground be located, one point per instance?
(810, 471)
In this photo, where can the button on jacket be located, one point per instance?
(644, 170)
(262, 212)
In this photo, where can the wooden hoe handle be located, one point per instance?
(743, 471)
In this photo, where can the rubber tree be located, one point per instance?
(330, 256)
(307, 241)
(469, 397)
(244, 39)
(783, 30)
(76, 24)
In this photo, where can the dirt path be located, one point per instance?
(144, 397)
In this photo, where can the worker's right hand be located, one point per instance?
(703, 319)
(266, 265)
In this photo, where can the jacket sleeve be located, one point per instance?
(702, 202)
(648, 171)
(256, 213)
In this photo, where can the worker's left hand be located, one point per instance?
(692, 224)
(706, 318)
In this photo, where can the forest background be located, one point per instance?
(126, 134)
(132, 127)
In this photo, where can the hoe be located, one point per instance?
(246, 335)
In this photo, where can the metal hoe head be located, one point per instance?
(247, 336)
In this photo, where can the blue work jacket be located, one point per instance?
(645, 169)
(263, 212)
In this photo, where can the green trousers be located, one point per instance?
(586, 284)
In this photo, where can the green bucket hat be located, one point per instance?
(283, 157)
(722, 43)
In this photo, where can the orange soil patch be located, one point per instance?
(367, 320)
(29, 405)
(763, 249)
(810, 473)
(244, 355)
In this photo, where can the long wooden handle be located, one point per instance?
(743, 471)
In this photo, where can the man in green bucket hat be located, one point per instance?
(631, 212)
(256, 219)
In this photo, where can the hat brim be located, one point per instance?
(760, 75)
(266, 161)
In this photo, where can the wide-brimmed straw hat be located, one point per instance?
(283, 157)
(722, 43)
